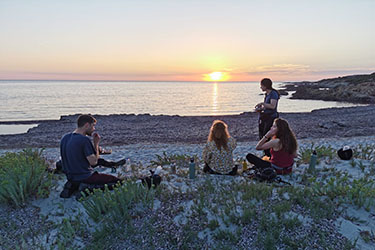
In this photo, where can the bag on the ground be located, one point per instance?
(152, 181)
(269, 175)
(266, 174)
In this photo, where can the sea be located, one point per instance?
(48, 100)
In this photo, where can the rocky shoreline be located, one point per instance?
(353, 89)
(127, 129)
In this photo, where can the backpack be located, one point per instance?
(266, 174)
(269, 175)
(152, 181)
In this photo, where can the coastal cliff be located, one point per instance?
(354, 89)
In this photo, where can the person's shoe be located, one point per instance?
(59, 166)
(69, 189)
(120, 162)
(205, 168)
(84, 186)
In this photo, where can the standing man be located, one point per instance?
(267, 109)
(78, 154)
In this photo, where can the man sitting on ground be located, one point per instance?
(78, 154)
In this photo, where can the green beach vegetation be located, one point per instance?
(23, 176)
(217, 212)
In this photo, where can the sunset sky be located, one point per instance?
(180, 40)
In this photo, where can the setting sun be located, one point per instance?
(216, 76)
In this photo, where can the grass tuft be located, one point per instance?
(126, 200)
(23, 175)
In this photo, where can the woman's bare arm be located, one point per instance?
(263, 144)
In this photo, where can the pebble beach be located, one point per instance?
(131, 129)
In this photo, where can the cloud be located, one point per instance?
(280, 69)
(342, 72)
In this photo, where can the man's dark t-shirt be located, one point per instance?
(74, 149)
(267, 99)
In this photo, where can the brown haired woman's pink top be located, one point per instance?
(282, 161)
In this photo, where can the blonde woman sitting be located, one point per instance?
(218, 152)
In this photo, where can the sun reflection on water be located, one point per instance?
(215, 104)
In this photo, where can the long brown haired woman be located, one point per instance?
(218, 152)
(283, 148)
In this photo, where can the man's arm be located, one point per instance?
(93, 159)
(271, 105)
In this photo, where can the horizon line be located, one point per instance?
(103, 80)
(72, 80)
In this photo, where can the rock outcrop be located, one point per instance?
(354, 89)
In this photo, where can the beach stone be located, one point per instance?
(352, 232)
(327, 125)
(305, 220)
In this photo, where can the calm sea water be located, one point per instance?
(38, 100)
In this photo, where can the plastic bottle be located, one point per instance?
(128, 164)
(173, 168)
(192, 168)
(244, 166)
(312, 164)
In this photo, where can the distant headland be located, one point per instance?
(354, 89)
